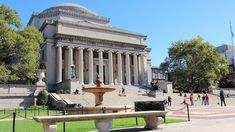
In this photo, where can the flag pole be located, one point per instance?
(231, 31)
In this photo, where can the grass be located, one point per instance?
(81, 126)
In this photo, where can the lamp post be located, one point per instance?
(166, 75)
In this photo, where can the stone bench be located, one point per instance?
(103, 122)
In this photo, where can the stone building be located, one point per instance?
(79, 45)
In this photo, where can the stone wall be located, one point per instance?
(18, 96)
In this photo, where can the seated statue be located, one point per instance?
(98, 81)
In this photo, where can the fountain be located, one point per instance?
(99, 92)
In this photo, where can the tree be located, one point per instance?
(19, 49)
(42, 97)
(192, 63)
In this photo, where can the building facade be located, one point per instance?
(227, 51)
(79, 45)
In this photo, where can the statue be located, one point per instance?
(98, 81)
(73, 71)
(154, 85)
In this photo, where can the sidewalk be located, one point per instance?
(217, 125)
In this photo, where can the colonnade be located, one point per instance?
(139, 67)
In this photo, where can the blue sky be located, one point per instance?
(163, 21)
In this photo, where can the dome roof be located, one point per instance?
(69, 7)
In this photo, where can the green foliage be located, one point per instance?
(19, 49)
(42, 97)
(192, 63)
(9, 17)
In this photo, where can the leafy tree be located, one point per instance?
(19, 49)
(192, 63)
(42, 97)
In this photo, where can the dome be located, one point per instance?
(71, 8)
(77, 7)
(74, 11)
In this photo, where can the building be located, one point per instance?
(79, 45)
(227, 51)
(157, 73)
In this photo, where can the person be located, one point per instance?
(76, 91)
(169, 101)
(203, 98)
(222, 98)
(191, 99)
(123, 90)
(206, 100)
(198, 97)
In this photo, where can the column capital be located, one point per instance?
(59, 46)
(100, 50)
(90, 49)
(110, 51)
(69, 47)
(119, 52)
(135, 53)
(127, 53)
(82, 48)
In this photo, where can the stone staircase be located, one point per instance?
(133, 94)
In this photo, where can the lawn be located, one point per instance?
(81, 126)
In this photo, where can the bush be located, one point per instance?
(42, 97)
(67, 91)
(61, 91)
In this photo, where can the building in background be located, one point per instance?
(79, 45)
(227, 51)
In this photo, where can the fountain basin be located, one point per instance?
(99, 93)
(98, 89)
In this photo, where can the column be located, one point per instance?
(70, 61)
(81, 80)
(91, 80)
(143, 69)
(128, 78)
(59, 63)
(110, 67)
(101, 64)
(135, 69)
(119, 68)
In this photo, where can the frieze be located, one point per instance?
(98, 43)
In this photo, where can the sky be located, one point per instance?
(163, 21)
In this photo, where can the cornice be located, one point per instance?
(95, 42)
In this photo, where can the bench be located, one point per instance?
(103, 122)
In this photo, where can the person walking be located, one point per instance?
(191, 99)
(222, 98)
(169, 101)
(206, 99)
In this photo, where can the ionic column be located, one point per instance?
(101, 64)
(81, 79)
(110, 67)
(59, 63)
(91, 80)
(128, 78)
(70, 61)
(119, 68)
(135, 69)
(143, 69)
